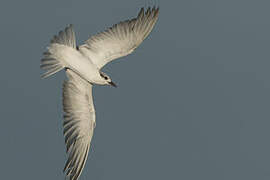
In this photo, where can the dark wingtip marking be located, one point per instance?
(141, 13)
(156, 12)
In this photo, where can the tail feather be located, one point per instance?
(50, 62)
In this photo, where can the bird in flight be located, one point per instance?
(83, 65)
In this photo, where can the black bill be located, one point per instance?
(112, 84)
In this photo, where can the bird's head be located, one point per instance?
(107, 80)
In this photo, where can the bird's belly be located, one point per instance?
(80, 64)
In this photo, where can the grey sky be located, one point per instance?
(192, 103)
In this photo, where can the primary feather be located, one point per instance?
(121, 39)
(79, 122)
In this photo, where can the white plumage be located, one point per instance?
(82, 65)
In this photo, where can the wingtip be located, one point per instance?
(154, 9)
(141, 13)
(69, 26)
(156, 12)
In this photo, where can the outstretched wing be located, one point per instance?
(121, 39)
(79, 122)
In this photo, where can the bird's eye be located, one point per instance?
(106, 78)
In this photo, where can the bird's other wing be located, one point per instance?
(121, 39)
(79, 122)
(62, 44)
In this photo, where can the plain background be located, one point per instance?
(192, 103)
